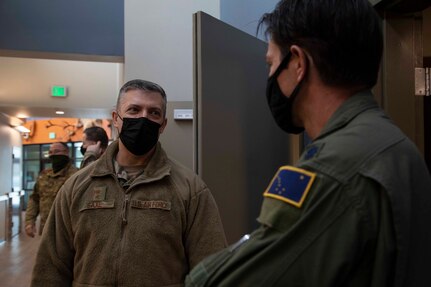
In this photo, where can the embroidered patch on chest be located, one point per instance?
(99, 193)
(151, 204)
(97, 204)
(290, 184)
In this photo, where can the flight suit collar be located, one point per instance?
(353, 106)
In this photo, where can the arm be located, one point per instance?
(205, 234)
(54, 261)
(32, 211)
(334, 242)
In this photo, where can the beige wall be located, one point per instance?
(158, 41)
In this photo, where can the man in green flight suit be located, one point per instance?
(46, 187)
(355, 210)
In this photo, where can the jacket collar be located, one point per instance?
(353, 106)
(157, 167)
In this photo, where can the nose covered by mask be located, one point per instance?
(279, 104)
(59, 162)
(139, 135)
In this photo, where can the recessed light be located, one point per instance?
(21, 116)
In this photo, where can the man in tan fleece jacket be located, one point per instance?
(135, 217)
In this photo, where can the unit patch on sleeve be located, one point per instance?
(290, 184)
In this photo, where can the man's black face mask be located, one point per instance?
(139, 135)
(279, 104)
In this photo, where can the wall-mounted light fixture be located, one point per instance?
(58, 112)
(22, 129)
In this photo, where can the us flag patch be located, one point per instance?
(290, 184)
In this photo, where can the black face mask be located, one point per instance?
(59, 162)
(139, 135)
(279, 104)
(83, 150)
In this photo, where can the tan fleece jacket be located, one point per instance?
(150, 233)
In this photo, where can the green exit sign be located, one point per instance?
(58, 91)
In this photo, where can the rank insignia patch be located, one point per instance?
(99, 193)
(290, 184)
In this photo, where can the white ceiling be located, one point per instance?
(25, 87)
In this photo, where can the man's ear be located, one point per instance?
(162, 128)
(301, 61)
(115, 119)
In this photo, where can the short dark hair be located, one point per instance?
(97, 134)
(143, 85)
(343, 37)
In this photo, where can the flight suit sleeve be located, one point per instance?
(330, 243)
(204, 234)
(32, 210)
(54, 260)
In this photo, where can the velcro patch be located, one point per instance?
(290, 184)
(152, 204)
(96, 204)
(99, 193)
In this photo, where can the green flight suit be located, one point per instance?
(364, 219)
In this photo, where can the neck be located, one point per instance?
(126, 158)
(320, 105)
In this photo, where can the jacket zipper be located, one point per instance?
(123, 226)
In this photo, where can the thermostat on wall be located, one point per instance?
(183, 114)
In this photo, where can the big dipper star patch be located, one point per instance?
(290, 184)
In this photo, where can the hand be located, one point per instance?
(95, 148)
(30, 229)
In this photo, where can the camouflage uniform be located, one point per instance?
(44, 192)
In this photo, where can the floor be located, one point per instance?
(16, 260)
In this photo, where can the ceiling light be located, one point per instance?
(59, 112)
(21, 116)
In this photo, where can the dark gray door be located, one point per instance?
(238, 146)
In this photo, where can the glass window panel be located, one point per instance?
(31, 152)
(31, 172)
(77, 148)
(45, 151)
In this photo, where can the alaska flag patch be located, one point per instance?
(290, 184)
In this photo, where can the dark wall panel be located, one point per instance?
(93, 27)
(238, 144)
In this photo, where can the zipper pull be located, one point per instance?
(124, 211)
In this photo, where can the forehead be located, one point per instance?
(141, 98)
(57, 146)
(273, 50)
